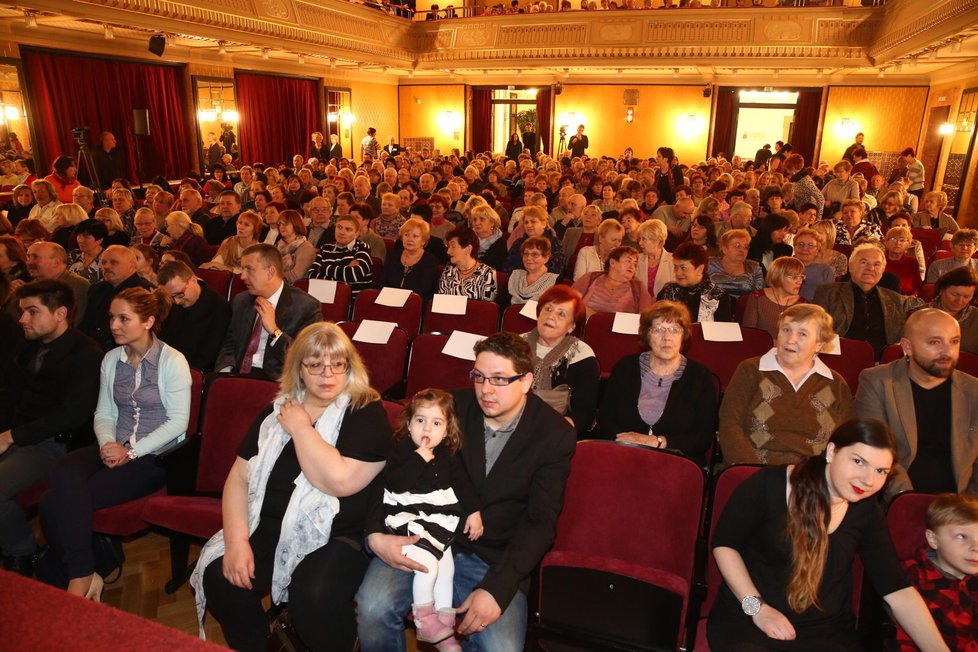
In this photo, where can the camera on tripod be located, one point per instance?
(80, 134)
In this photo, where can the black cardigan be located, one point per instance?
(689, 420)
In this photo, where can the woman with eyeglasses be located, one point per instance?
(565, 371)
(783, 406)
(654, 390)
(295, 502)
(808, 245)
(901, 264)
(763, 308)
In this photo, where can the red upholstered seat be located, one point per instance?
(906, 518)
(856, 355)
(927, 292)
(231, 404)
(722, 358)
(609, 347)
(237, 286)
(429, 367)
(339, 309)
(929, 239)
(514, 322)
(407, 317)
(393, 412)
(603, 578)
(384, 362)
(215, 279)
(481, 318)
(890, 353)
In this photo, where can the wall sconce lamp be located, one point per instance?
(946, 128)
(630, 115)
(690, 125)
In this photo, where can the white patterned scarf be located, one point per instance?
(308, 518)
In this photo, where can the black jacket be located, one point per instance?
(95, 322)
(198, 331)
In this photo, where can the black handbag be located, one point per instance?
(283, 637)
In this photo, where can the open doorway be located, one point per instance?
(762, 118)
(511, 109)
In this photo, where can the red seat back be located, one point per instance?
(941, 254)
(429, 367)
(514, 322)
(196, 396)
(231, 404)
(891, 352)
(337, 311)
(741, 307)
(215, 279)
(856, 355)
(481, 318)
(968, 363)
(722, 358)
(393, 413)
(384, 362)
(407, 318)
(927, 292)
(609, 347)
(907, 519)
(929, 239)
(237, 286)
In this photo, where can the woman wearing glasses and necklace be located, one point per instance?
(764, 307)
(656, 391)
(295, 502)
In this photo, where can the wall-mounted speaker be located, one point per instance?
(157, 43)
(140, 122)
(558, 88)
(630, 97)
(707, 91)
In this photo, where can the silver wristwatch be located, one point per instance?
(751, 605)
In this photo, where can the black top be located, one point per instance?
(365, 435)
(217, 230)
(931, 469)
(666, 184)
(421, 278)
(578, 144)
(95, 322)
(754, 523)
(108, 166)
(198, 331)
(867, 319)
(688, 421)
(495, 255)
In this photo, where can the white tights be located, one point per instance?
(435, 585)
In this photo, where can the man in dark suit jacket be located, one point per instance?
(929, 406)
(860, 308)
(225, 223)
(266, 318)
(516, 449)
(199, 318)
(335, 149)
(118, 274)
(49, 389)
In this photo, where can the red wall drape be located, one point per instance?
(481, 120)
(69, 91)
(805, 128)
(276, 116)
(723, 121)
(544, 125)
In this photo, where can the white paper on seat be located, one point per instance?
(372, 331)
(323, 290)
(625, 323)
(460, 344)
(529, 309)
(721, 331)
(449, 304)
(833, 346)
(392, 297)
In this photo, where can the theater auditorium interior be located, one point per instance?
(195, 94)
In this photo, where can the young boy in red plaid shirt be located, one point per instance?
(945, 571)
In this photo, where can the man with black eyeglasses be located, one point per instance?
(516, 450)
(199, 317)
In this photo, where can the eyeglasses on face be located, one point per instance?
(497, 381)
(335, 368)
(663, 330)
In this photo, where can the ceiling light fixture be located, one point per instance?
(933, 54)
(264, 53)
(332, 62)
(30, 18)
(956, 46)
(302, 59)
(222, 48)
(882, 73)
(108, 32)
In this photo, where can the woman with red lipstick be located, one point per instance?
(785, 546)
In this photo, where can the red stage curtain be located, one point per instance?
(544, 125)
(723, 121)
(806, 124)
(276, 116)
(481, 120)
(69, 91)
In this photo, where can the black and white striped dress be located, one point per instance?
(428, 499)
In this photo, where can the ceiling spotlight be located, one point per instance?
(898, 66)
(109, 34)
(675, 72)
(451, 74)
(384, 69)
(332, 62)
(222, 48)
(933, 54)
(30, 18)
(264, 53)
(913, 62)
(410, 74)
(776, 73)
(882, 73)
(820, 73)
(956, 47)
(360, 65)
(733, 72)
(302, 59)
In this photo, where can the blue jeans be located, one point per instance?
(384, 599)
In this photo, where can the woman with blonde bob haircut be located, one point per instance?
(655, 263)
(593, 258)
(295, 502)
(765, 306)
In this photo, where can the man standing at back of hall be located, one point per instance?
(107, 160)
(530, 140)
(578, 143)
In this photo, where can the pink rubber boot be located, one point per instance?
(447, 617)
(429, 627)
